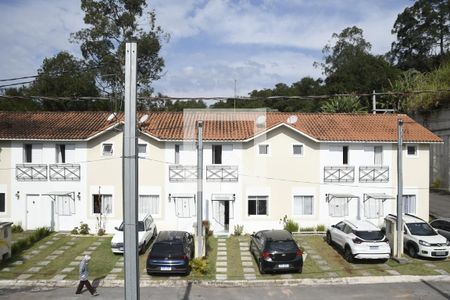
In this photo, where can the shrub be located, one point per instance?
(75, 230)
(84, 228)
(26, 243)
(307, 229)
(289, 224)
(16, 228)
(238, 229)
(101, 232)
(199, 265)
(320, 227)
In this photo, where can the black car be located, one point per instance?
(442, 226)
(170, 253)
(275, 251)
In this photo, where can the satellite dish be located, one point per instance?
(261, 121)
(111, 116)
(292, 119)
(143, 119)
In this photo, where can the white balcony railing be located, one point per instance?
(339, 174)
(30, 172)
(222, 173)
(181, 173)
(64, 172)
(374, 174)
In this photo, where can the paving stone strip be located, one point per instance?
(440, 271)
(246, 261)
(221, 260)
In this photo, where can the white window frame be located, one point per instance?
(109, 212)
(345, 210)
(176, 154)
(375, 155)
(408, 197)
(158, 213)
(378, 208)
(412, 155)
(302, 147)
(257, 200)
(106, 154)
(263, 154)
(192, 206)
(302, 197)
(145, 154)
(24, 159)
(63, 210)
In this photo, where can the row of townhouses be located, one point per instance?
(62, 168)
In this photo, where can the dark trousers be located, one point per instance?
(87, 284)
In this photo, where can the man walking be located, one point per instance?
(84, 273)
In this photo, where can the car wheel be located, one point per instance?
(142, 250)
(412, 251)
(348, 254)
(329, 240)
(261, 268)
(300, 270)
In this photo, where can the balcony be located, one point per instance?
(339, 174)
(222, 173)
(180, 173)
(64, 172)
(373, 174)
(29, 172)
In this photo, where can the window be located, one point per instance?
(2, 203)
(102, 204)
(61, 153)
(184, 207)
(297, 150)
(338, 207)
(411, 150)
(378, 155)
(409, 204)
(303, 205)
(263, 149)
(345, 155)
(107, 150)
(65, 205)
(142, 150)
(27, 153)
(257, 205)
(217, 154)
(373, 208)
(177, 154)
(149, 204)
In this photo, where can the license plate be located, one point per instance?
(166, 268)
(373, 247)
(440, 253)
(121, 249)
(283, 266)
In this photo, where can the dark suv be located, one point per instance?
(170, 253)
(276, 250)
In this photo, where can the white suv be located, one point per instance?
(419, 238)
(146, 231)
(359, 239)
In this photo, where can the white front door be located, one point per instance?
(219, 215)
(185, 212)
(39, 211)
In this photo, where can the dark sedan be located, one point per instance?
(442, 226)
(276, 251)
(171, 253)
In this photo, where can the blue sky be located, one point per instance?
(258, 43)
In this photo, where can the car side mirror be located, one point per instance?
(116, 228)
(333, 226)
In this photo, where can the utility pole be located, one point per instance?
(399, 189)
(130, 177)
(374, 102)
(200, 189)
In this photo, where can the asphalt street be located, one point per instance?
(422, 290)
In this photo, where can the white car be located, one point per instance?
(420, 239)
(359, 239)
(146, 231)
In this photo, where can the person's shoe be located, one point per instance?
(95, 294)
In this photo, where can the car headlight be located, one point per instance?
(114, 245)
(423, 243)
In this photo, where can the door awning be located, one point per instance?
(341, 196)
(378, 196)
(223, 197)
(53, 195)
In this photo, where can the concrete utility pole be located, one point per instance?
(130, 177)
(400, 190)
(200, 189)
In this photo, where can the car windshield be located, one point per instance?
(282, 246)
(420, 229)
(370, 235)
(140, 226)
(167, 249)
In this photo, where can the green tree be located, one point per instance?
(423, 35)
(345, 104)
(112, 23)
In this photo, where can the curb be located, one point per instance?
(233, 283)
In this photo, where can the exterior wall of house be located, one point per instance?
(5, 178)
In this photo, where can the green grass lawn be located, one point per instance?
(234, 265)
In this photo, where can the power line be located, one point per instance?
(18, 78)
(18, 83)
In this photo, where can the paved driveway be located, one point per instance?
(439, 204)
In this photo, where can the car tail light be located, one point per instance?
(183, 257)
(299, 252)
(357, 241)
(265, 255)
